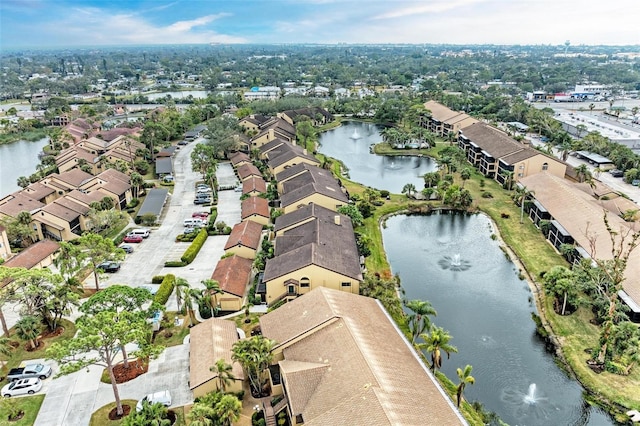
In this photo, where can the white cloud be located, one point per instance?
(431, 7)
(97, 26)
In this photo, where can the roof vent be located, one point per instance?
(336, 219)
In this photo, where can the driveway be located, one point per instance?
(72, 399)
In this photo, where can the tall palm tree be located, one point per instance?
(212, 288)
(191, 295)
(465, 377)
(201, 415)
(434, 343)
(419, 321)
(224, 374)
(182, 290)
(582, 172)
(521, 195)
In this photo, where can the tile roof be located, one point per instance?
(61, 211)
(321, 242)
(33, 255)
(247, 234)
(271, 145)
(254, 183)
(210, 341)
(233, 273)
(239, 157)
(18, 202)
(287, 152)
(581, 215)
(38, 191)
(74, 177)
(246, 170)
(346, 362)
(308, 212)
(254, 206)
(314, 181)
(441, 113)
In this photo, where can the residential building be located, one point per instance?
(575, 215)
(302, 184)
(255, 209)
(5, 248)
(340, 359)
(316, 253)
(238, 159)
(210, 341)
(497, 156)
(251, 123)
(271, 129)
(287, 155)
(234, 275)
(38, 255)
(254, 186)
(443, 121)
(244, 240)
(318, 116)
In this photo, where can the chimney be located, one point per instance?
(304, 151)
(337, 219)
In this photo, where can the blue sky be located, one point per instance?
(62, 23)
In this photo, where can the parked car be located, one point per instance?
(202, 200)
(201, 215)
(168, 179)
(163, 397)
(22, 387)
(183, 142)
(616, 173)
(37, 370)
(130, 238)
(126, 247)
(109, 266)
(144, 233)
(194, 221)
(238, 189)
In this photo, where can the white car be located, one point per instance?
(22, 387)
(162, 397)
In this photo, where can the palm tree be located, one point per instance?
(582, 172)
(436, 342)
(212, 288)
(190, 295)
(182, 290)
(522, 193)
(201, 415)
(224, 374)
(465, 174)
(28, 329)
(5, 346)
(465, 377)
(409, 189)
(419, 321)
(254, 354)
(228, 409)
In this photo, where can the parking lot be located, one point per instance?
(70, 400)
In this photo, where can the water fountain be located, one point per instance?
(530, 397)
(355, 134)
(454, 263)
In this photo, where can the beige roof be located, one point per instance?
(233, 273)
(38, 191)
(582, 216)
(442, 113)
(18, 202)
(371, 374)
(210, 341)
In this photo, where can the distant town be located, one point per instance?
(208, 235)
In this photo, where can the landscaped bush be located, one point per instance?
(165, 290)
(186, 238)
(157, 279)
(133, 203)
(174, 264)
(193, 250)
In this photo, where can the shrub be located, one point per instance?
(137, 220)
(133, 203)
(486, 194)
(165, 290)
(193, 250)
(157, 279)
(384, 193)
(174, 264)
(186, 237)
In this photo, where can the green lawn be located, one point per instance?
(30, 405)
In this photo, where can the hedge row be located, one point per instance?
(193, 250)
(165, 290)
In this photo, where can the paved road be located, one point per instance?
(70, 400)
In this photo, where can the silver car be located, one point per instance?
(22, 387)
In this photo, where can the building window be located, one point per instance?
(345, 284)
(520, 174)
(305, 282)
(545, 166)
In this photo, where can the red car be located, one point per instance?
(201, 215)
(132, 239)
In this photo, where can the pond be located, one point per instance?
(452, 261)
(350, 143)
(18, 159)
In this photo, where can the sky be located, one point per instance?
(68, 23)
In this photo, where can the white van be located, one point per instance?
(162, 397)
(144, 233)
(194, 221)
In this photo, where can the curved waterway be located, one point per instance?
(350, 144)
(18, 159)
(450, 260)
